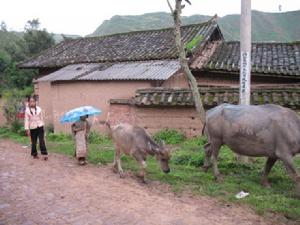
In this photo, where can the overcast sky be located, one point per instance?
(83, 17)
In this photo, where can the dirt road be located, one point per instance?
(60, 192)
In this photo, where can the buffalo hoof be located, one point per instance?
(115, 170)
(121, 174)
(265, 184)
(144, 181)
(205, 168)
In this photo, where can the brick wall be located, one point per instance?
(153, 120)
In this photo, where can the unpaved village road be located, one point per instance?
(60, 192)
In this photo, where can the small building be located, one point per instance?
(136, 76)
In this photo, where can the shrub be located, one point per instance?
(4, 132)
(60, 137)
(170, 136)
(188, 158)
(96, 138)
(196, 143)
(49, 128)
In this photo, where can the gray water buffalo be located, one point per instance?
(268, 131)
(134, 141)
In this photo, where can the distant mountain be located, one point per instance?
(265, 26)
(60, 37)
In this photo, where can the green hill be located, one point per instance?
(265, 26)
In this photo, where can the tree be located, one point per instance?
(37, 40)
(3, 26)
(33, 24)
(182, 57)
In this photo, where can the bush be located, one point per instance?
(196, 143)
(188, 158)
(49, 128)
(4, 132)
(170, 136)
(60, 137)
(96, 138)
(17, 127)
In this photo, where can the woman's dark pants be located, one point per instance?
(35, 134)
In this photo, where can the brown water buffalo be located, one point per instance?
(134, 141)
(268, 130)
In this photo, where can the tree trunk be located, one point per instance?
(184, 62)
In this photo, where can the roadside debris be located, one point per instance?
(241, 194)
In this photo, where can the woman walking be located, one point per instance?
(34, 126)
(80, 131)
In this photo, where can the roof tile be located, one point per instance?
(132, 46)
(267, 58)
(211, 97)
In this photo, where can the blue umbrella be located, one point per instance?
(75, 114)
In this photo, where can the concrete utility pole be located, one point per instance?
(245, 35)
(245, 68)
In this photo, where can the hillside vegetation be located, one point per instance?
(280, 27)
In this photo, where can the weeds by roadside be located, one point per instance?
(186, 172)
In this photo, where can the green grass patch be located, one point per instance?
(169, 136)
(186, 172)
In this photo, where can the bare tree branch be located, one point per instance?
(183, 60)
(188, 2)
(170, 6)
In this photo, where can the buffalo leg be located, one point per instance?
(215, 148)
(288, 163)
(117, 162)
(143, 166)
(207, 160)
(269, 164)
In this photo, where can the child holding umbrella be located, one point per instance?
(80, 129)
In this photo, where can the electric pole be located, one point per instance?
(245, 44)
(245, 58)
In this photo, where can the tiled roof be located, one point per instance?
(144, 70)
(132, 46)
(288, 96)
(267, 58)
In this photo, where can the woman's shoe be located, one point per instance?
(35, 157)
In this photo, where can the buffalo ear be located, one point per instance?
(151, 148)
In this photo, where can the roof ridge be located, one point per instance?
(211, 20)
(265, 42)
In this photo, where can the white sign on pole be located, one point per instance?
(245, 78)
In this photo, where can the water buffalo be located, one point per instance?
(134, 141)
(268, 130)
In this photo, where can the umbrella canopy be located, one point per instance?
(75, 114)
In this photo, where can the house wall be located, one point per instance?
(153, 120)
(178, 80)
(232, 80)
(44, 92)
(68, 95)
(184, 120)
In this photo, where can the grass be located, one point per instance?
(186, 173)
